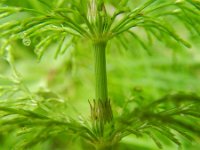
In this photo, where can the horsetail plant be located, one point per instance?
(102, 22)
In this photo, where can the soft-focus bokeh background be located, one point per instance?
(163, 71)
(71, 75)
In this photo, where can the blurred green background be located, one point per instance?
(71, 76)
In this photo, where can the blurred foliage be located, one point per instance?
(154, 93)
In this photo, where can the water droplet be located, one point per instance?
(26, 41)
(22, 35)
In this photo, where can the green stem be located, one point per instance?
(101, 111)
(100, 71)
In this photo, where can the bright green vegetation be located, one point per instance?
(110, 74)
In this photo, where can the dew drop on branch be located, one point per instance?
(22, 35)
(26, 41)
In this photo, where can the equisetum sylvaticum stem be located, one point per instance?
(101, 111)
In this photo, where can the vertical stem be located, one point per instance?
(100, 72)
(101, 111)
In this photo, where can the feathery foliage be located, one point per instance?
(40, 24)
